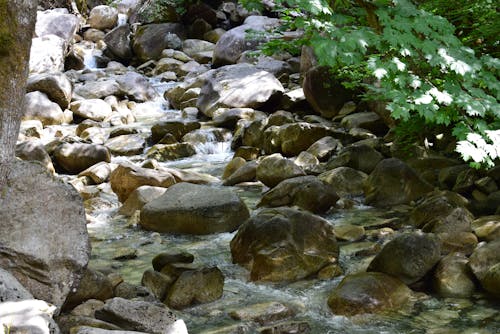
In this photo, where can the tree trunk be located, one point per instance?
(17, 25)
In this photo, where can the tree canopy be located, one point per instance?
(410, 58)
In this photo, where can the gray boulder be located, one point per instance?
(139, 197)
(485, 264)
(126, 145)
(150, 40)
(346, 181)
(393, 182)
(56, 22)
(50, 264)
(93, 285)
(98, 89)
(186, 208)
(47, 54)
(452, 277)
(11, 289)
(136, 87)
(118, 43)
(55, 85)
(274, 168)
(34, 150)
(75, 158)
(103, 17)
(284, 244)
(38, 106)
(93, 109)
(137, 315)
(361, 157)
(306, 192)
(238, 86)
(409, 256)
(235, 41)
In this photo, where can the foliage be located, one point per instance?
(422, 69)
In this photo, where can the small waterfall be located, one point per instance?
(210, 141)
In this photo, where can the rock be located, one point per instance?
(93, 285)
(47, 54)
(457, 242)
(285, 327)
(56, 86)
(284, 244)
(61, 24)
(196, 287)
(118, 43)
(245, 173)
(162, 259)
(298, 137)
(177, 128)
(103, 17)
(93, 330)
(87, 308)
(93, 109)
(185, 208)
(98, 89)
(67, 322)
(307, 162)
(368, 293)
(38, 106)
(74, 158)
(349, 232)
(442, 212)
(139, 197)
(326, 94)
(134, 292)
(306, 192)
(274, 168)
(10, 288)
(235, 41)
(137, 315)
(393, 182)
(238, 86)
(229, 117)
(49, 266)
(361, 157)
(33, 150)
(126, 178)
(126, 145)
(280, 117)
(487, 228)
(150, 40)
(233, 166)
(346, 181)
(325, 148)
(168, 152)
(263, 313)
(484, 263)
(452, 279)
(27, 316)
(192, 47)
(366, 120)
(100, 172)
(136, 87)
(157, 283)
(93, 35)
(408, 257)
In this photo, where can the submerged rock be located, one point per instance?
(368, 293)
(187, 208)
(284, 244)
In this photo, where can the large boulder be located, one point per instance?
(297, 137)
(306, 192)
(127, 177)
(235, 41)
(75, 158)
(284, 244)
(393, 182)
(98, 89)
(274, 168)
(35, 209)
(56, 85)
(11, 289)
(56, 22)
(452, 277)
(150, 40)
(326, 94)
(139, 197)
(38, 106)
(238, 86)
(126, 145)
(103, 17)
(47, 54)
(409, 256)
(186, 208)
(361, 157)
(118, 43)
(176, 128)
(93, 285)
(34, 150)
(368, 293)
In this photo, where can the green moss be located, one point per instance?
(7, 40)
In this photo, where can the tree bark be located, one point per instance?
(17, 25)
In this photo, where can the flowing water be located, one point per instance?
(112, 234)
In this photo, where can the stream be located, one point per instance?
(112, 234)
